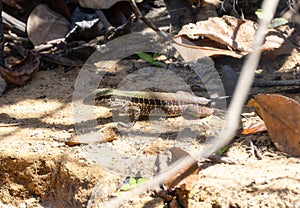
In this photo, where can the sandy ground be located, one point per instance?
(39, 170)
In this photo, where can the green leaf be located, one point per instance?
(155, 55)
(275, 22)
(157, 63)
(146, 57)
(141, 180)
(222, 150)
(259, 13)
(278, 22)
(132, 181)
(125, 187)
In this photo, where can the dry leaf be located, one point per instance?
(106, 135)
(22, 72)
(254, 128)
(229, 36)
(181, 182)
(252, 103)
(73, 141)
(229, 31)
(44, 25)
(282, 118)
(204, 47)
(187, 49)
(186, 175)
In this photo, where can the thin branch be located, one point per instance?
(272, 83)
(14, 24)
(2, 63)
(147, 21)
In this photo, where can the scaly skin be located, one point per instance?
(142, 103)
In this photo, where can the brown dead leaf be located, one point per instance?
(204, 47)
(229, 31)
(179, 185)
(73, 141)
(22, 72)
(253, 104)
(185, 175)
(44, 25)
(282, 118)
(106, 135)
(254, 128)
(229, 36)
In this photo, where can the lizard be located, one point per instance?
(141, 103)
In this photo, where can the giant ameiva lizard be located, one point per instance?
(142, 103)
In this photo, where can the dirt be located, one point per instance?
(39, 170)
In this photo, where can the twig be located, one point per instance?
(2, 63)
(53, 58)
(147, 21)
(272, 83)
(13, 23)
(13, 37)
(255, 151)
(10, 124)
(251, 148)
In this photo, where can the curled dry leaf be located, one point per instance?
(229, 31)
(44, 25)
(282, 118)
(22, 72)
(228, 36)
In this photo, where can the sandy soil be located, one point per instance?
(39, 170)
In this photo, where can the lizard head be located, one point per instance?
(99, 97)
